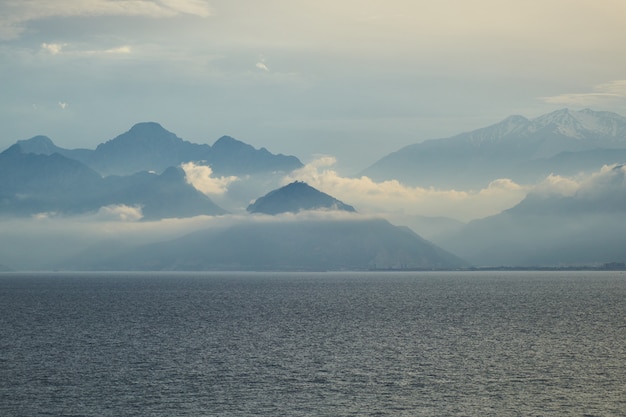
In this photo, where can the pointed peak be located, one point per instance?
(298, 185)
(142, 133)
(295, 197)
(173, 174)
(14, 149)
(515, 118)
(227, 141)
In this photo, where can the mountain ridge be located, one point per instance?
(516, 147)
(148, 146)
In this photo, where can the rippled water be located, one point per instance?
(333, 344)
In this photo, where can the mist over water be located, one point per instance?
(331, 344)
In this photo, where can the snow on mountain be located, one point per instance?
(602, 128)
(517, 148)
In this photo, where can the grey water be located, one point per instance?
(313, 344)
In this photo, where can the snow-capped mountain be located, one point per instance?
(518, 148)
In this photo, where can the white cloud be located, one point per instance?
(119, 212)
(610, 181)
(119, 50)
(261, 65)
(392, 196)
(556, 185)
(200, 176)
(66, 49)
(53, 48)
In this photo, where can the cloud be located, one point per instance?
(556, 185)
(15, 15)
(200, 176)
(53, 48)
(602, 94)
(119, 212)
(261, 65)
(119, 50)
(62, 105)
(608, 183)
(66, 49)
(393, 197)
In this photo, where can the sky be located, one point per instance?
(352, 80)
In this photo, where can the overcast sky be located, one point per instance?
(356, 79)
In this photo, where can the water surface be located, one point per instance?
(328, 344)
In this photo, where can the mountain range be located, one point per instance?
(38, 183)
(563, 142)
(150, 147)
(142, 172)
(138, 168)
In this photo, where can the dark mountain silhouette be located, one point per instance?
(588, 227)
(230, 156)
(33, 183)
(296, 197)
(145, 147)
(292, 245)
(37, 183)
(562, 142)
(150, 147)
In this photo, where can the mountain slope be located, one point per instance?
(588, 227)
(296, 197)
(36, 183)
(516, 148)
(33, 183)
(290, 245)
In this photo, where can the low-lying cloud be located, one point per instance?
(119, 212)
(392, 196)
(201, 177)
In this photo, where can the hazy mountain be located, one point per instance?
(588, 227)
(150, 147)
(230, 156)
(145, 147)
(561, 142)
(33, 183)
(296, 197)
(38, 183)
(160, 196)
(43, 145)
(288, 245)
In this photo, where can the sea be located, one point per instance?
(313, 344)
